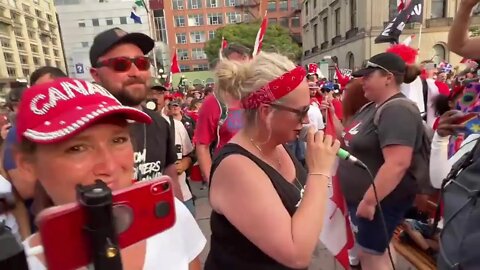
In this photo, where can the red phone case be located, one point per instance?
(65, 243)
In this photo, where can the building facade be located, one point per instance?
(82, 20)
(345, 30)
(30, 38)
(191, 23)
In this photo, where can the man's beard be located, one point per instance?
(127, 98)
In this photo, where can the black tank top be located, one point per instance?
(229, 248)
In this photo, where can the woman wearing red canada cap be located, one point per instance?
(77, 128)
(267, 211)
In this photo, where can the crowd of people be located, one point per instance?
(415, 126)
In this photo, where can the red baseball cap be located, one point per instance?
(56, 111)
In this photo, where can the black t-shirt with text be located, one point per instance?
(154, 147)
(397, 125)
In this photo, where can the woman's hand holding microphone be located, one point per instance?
(321, 152)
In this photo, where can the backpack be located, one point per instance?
(460, 236)
(221, 120)
(421, 159)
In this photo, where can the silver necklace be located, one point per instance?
(300, 187)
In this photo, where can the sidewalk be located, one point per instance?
(322, 259)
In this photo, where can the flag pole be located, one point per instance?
(420, 36)
(151, 27)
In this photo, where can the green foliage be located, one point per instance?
(276, 39)
(475, 31)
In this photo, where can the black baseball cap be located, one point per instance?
(389, 62)
(158, 88)
(108, 39)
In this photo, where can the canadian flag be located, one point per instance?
(336, 234)
(260, 34)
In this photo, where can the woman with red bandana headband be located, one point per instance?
(267, 211)
(72, 132)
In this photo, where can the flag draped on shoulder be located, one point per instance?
(260, 35)
(413, 12)
(336, 234)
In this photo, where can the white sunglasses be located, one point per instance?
(373, 65)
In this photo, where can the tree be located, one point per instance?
(276, 39)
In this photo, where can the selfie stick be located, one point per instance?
(96, 199)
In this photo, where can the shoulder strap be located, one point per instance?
(365, 106)
(402, 100)
(172, 125)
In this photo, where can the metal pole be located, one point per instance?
(151, 26)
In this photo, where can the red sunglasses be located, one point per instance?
(123, 64)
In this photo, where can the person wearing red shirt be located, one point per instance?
(209, 129)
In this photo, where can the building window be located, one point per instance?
(58, 64)
(211, 34)
(26, 72)
(200, 68)
(213, 3)
(184, 68)
(197, 37)
(306, 8)
(95, 22)
(230, 3)
(179, 21)
(283, 5)
(294, 4)
(440, 53)
(215, 18)
(234, 17)
(36, 61)
(392, 9)
(351, 61)
(123, 20)
(325, 29)
(337, 22)
(109, 21)
(32, 35)
(84, 44)
(353, 14)
(284, 22)
(182, 54)
(439, 8)
(55, 53)
(49, 18)
(11, 72)
(81, 24)
(178, 4)
(8, 57)
(20, 45)
(34, 48)
(272, 5)
(6, 43)
(23, 60)
(181, 38)
(272, 21)
(295, 21)
(46, 50)
(315, 35)
(161, 29)
(195, 20)
(194, 4)
(198, 53)
(38, 13)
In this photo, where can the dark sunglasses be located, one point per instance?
(301, 113)
(123, 64)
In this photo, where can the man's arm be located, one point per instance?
(195, 264)
(204, 160)
(171, 171)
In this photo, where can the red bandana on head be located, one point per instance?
(275, 89)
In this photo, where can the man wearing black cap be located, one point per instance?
(119, 64)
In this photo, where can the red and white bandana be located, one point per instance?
(275, 89)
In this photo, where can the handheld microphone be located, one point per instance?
(342, 154)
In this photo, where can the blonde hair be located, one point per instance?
(239, 79)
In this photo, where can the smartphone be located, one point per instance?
(140, 211)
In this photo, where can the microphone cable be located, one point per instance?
(380, 210)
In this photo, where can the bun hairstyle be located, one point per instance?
(411, 73)
(238, 79)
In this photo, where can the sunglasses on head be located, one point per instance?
(301, 113)
(373, 65)
(123, 64)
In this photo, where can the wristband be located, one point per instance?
(321, 174)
